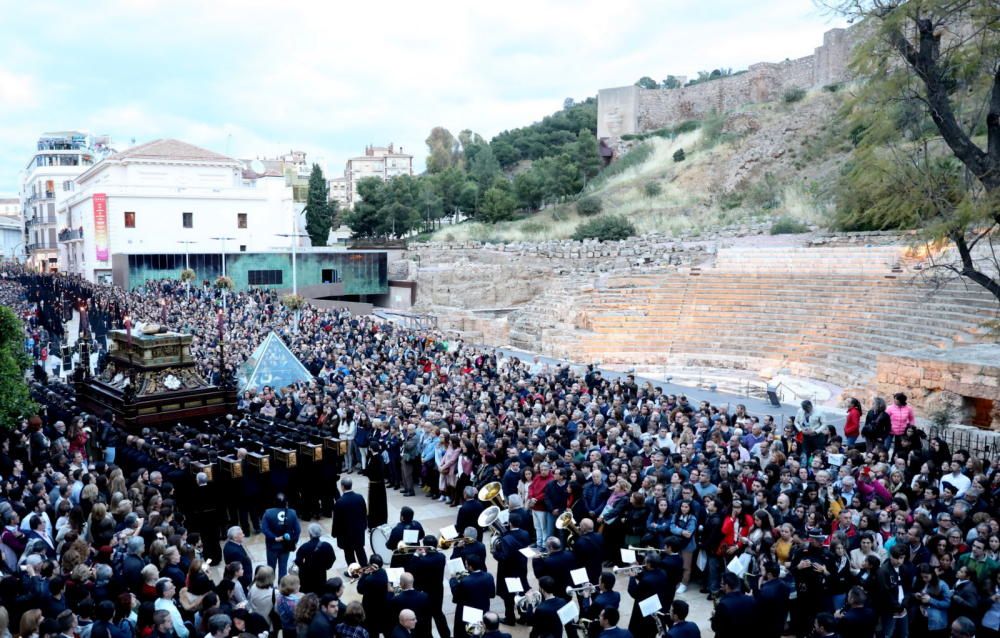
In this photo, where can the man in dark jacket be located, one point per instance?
(680, 626)
(234, 552)
(281, 529)
(468, 513)
(313, 558)
(545, 621)
(736, 613)
(405, 524)
(427, 568)
(491, 626)
(892, 587)
(325, 621)
(651, 581)
(374, 590)
(350, 522)
(476, 590)
(589, 550)
(511, 563)
(558, 564)
(772, 601)
(417, 602)
(857, 620)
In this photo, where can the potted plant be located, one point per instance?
(188, 275)
(293, 302)
(224, 283)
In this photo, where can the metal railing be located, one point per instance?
(70, 234)
(983, 444)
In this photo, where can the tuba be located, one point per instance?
(567, 522)
(490, 518)
(527, 602)
(493, 493)
(475, 628)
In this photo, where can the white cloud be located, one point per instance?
(18, 91)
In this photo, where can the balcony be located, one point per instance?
(71, 234)
(32, 248)
(39, 221)
(34, 197)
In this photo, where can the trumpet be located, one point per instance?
(403, 548)
(587, 588)
(460, 575)
(628, 570)
(493, 493)
(475, 628)
(645, 550)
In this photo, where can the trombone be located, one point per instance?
(403, 548)
(458, 541)
(493, 493)
(645, 550)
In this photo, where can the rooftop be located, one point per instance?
(171, 149)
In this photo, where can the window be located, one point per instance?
(188, 220)
(67, 185)
(243, 248)
(129, 219)
(264, 277)
(329, 276)
(241, 220)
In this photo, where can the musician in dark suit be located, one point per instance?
(651, 581)
(350, 523)
(234, 552)
(772, 601)
(427, 567)
(558, 564)
(673, 566)
(374, 590)
(417, 602)
(476, 589)
(491, 626)
(313, 558)
(511, 563)
(545, 621)
(736, 611)
(468, 513)
(680, 626)
(589, 550)
(471, 546)
(609, 625)
(406, 523)
(591, 605)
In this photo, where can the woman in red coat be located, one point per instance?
(735, 530)
(852, 429)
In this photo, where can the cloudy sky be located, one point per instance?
(253, 78)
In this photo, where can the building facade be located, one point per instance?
(46, 182)
(170, 197)
(384, 162)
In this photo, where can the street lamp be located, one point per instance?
(295, 281)
(186, 243)
(223, 240)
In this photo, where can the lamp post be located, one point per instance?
(295, 281)
(187, 242)
(223, 240)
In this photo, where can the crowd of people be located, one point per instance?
(790, 527)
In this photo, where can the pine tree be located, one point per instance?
(319, 217)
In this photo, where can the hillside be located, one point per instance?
(770, 160)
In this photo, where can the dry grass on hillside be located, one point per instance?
(768, 161)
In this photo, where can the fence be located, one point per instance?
(983, 444)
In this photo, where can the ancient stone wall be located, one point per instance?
(966, 373)
(629, 110)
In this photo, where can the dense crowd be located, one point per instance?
(790, 527)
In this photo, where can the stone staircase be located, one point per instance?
(817, 313)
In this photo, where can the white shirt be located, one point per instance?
(962, 482)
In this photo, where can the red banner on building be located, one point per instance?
(101, 225)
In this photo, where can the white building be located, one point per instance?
(46, 182)
(167, 196)
(384, 162)
(11, 229)
(338, 191)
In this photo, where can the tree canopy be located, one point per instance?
(319, 210)
(926, 127)
(15, 401)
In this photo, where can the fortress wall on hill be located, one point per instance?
(630, 110)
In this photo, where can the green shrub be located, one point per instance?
(794, 94)
(652, 189)
(687, 126)
(833, 88)
(788, 226)
(607, 228)
(589, 205)
(711, 129)
(764, 194)
(730, 200)
(679, 155)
